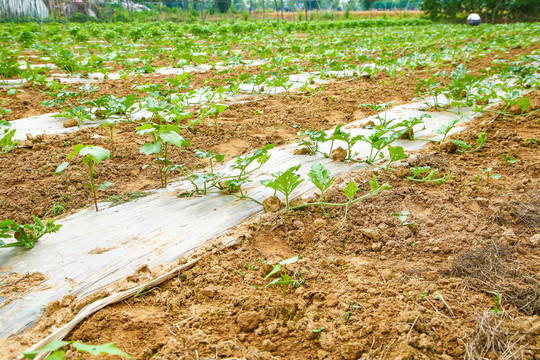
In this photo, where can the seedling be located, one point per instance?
(351, 310)
(497, 307)
(445, 129)
(284, 182)
(163, 135)
(320, 177)
(318, 332)
(409, 123)
(315, 137)
(425, 174)
(378, 142)
(506, 159)
(464, 147)
(284, 280)
(26, 235)
(56, 354)
(403, 217)
(489, 175)
(80, 113)
(395, 153)
(212, 111)
(6, 137)
(383, 122)
(92, 156)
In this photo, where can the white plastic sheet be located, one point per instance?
(158, 228)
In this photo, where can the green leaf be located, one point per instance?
(75, 151)
(320, 177)
(109, 348)
(396, 153)
(462, 144)
(523, 103)
(496, 176)
(150, 148)
(57, 355)
(96, 152)
(289, 260)
(173, 138)
(12, 92)
(51, 346)
(61, 167)
(104, 185)
(350, 190)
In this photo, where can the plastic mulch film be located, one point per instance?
(94, 249)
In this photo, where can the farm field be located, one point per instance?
(438, 260)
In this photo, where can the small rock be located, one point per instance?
(268, 345)
(319, 222)
(248, 321)
(29, 137)
(509, 235)
(413, 228)
(70, 123)
(271, 204)
(302, 151)
(408, 135)
(535, 239)
(430, 275)
(449, 147)
(372, 234)
(339, 154)
(369, 124)
(376, 246)
(209, 292)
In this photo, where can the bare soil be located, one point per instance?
(463, 281)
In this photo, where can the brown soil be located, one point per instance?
(369, 287)
(15, 285)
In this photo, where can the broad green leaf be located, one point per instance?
(57, 355)
(496, 176)
(75, 151)
(104, 185)
(320, 177)
(61, 167)
(51, 346)
(289, 260)
(109, 348)
(396, 153)
(150, 148)
(524, 103)
(173, 138)
(461, 144)
(350, 190)
(12, 92)
(97, 152)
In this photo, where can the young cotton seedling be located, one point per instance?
(284, 279)
(163, 136)
(92, 155)
(403, 217)
(489, 175)
(212, 111)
